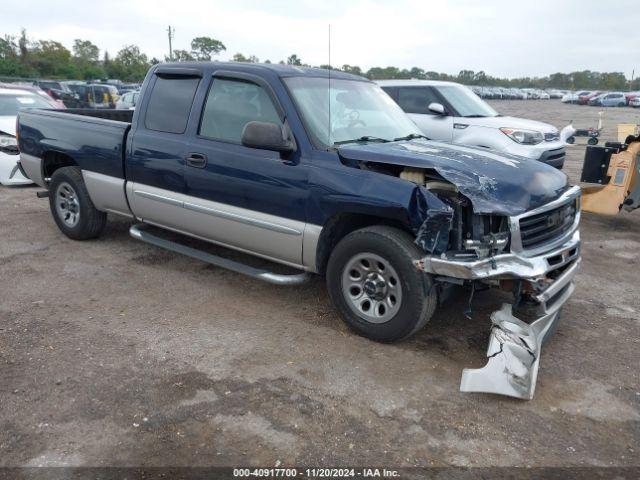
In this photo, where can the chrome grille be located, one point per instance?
(536, 230)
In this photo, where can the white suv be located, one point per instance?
(451, 112)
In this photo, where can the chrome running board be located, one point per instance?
(138, 232)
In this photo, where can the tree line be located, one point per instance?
(23, 57)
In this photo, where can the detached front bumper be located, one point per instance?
(514, 345)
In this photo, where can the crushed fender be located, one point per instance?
(514, 356)
(436, 216)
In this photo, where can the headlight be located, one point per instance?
(7, 140)
(525, 137)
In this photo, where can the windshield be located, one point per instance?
(465, 102)
(358, 109)
(11, 103)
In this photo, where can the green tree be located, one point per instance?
(294, 60)
(85, 51)
(354, 69)
(85, 59)
(51, 58)
(238, 57)
(202, 48)
(180, 56)
(129, 65)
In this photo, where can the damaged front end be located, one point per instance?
(491, 220)
(537, 262)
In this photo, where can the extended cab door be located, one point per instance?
(415, 100)
(246, 198)
(155, 166)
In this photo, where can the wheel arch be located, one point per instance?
(53, 160)
(340, 225)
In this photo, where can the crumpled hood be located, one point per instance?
(510, 122)
(494, 182)
(8, 124)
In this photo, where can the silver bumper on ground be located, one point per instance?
(515, 346)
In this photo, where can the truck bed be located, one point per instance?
(94, 139)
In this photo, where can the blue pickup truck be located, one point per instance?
(323, 172)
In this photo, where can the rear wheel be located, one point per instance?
(71, 205)
(375, 286)
(592, 141)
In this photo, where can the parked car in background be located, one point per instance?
(451, 112)
(38, 91)
(609, 99)
(584, 99)
(518, 94)
(635, 102)
(553, 93)
(59, 91)
(11, 101)
(630, 96)
(100, 96)
(572, 97)
(128, 101)
(542, 95)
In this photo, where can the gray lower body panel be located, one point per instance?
(283, 240)
(107, 193)
(32, 167)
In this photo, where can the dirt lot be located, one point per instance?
(113, 352)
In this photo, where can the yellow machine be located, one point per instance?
(611, 177)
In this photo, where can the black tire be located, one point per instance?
(571, 140)
(90, 221)
(418, 299)
(592, 141)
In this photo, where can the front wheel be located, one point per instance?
(375, 286)
(71, 205)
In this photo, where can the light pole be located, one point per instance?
(171, 32)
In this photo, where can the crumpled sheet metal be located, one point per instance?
(495, 182)
(436, 216)
(514, 356)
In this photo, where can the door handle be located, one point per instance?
(196, 160)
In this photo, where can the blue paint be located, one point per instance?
(308, 185)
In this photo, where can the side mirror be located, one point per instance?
(437, 108)
(267, 136)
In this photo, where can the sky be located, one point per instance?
(503, 38)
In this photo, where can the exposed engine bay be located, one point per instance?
(532, 254)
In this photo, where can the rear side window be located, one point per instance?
(230, 105)
(170, 104)
(416, 99)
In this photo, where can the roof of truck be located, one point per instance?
(414, 83)
(279, 69)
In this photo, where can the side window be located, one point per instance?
(416, 99)
(392, 92)
(230, 105)
(170, 104)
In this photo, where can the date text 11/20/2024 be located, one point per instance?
(315, 472)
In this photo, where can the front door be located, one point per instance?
(415, 102)
(245, 198)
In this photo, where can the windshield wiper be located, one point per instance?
(474, 116)
(411, 136)
(365, 138)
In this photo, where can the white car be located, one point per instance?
(12, 100)
(635, 102)
(128, 101)
(451, 112)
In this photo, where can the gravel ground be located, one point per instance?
(113, 352)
